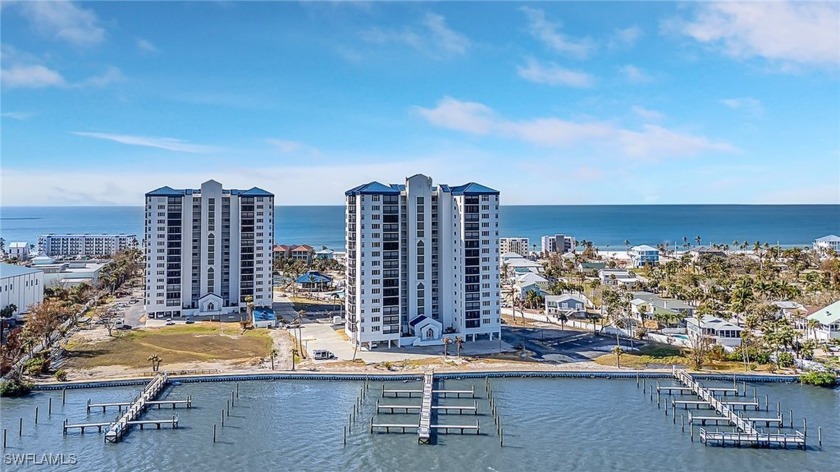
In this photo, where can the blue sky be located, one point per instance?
(551, 103)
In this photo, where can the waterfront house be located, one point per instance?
(521, 266)
(314, 281)
(829, 323)
(643, 255)
(791, 311)
(591, 267)
(719, 331)
(825, 243)
(671, 304)
(706, 252)
(618, 278)
(509, 256)
(570, 305)
(325, 254)
(19, 250)
(303, 252)
(21, 287)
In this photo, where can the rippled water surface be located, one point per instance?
(549, 424)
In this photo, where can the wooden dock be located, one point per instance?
(717, 420)
(746, 434)
(187, 403)
(120, 427)
(424, 431)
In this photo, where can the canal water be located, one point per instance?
(295, 425)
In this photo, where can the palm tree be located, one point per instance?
(812, 326)
(698, 239)
(156, 360)
(272, 354)
(446, 343)
(6, 313)
(617, 351)
(249, 307)
(563, 318)
(458, 342)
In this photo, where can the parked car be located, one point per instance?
(189, 321)
(322, 354)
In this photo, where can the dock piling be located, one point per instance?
(20, 428)
(4, 438)
(345, 434)
(223, 418)
(36, 415)
(214, 433)
(49, 407)
(819, 437)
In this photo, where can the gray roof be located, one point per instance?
(180, 192)
(373, 188)
(11, 270)
(670, 303)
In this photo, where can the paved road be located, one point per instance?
(550, 343)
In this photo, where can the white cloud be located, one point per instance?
(145, 45)
(747, 104)
(31, 76)
(635, 75)
(111, 75)
(552, 74)
(626, 37)
(17, 115)
(804, 33)
(549, 34)
(64, 21)
(432, 37)
(169, 144)
(650, 142)
(648, 114)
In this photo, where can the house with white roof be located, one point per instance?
(618, 278)
(530, 282)
(829, 323)
(721, 332)
(570, 305)
(19, 250)
(509, 256)
(827, 242)
(791, 311)
(521, 266)
(643, 255)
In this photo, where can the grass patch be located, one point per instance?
(180, 343)
(641, 361)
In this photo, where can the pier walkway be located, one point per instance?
(118, 429)
(746, 433)
(424, 431)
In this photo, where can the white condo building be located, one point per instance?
(422, 262)
(207, 250)
(85, 244)
(20, 286)
(557, 243)
(517, 245)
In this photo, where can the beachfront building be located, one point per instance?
(20, 286)
(559, 243)
(828, 320)
(719, 331)
(573, 306)
(87, 245)
(69, 274)
(301, 252)
(19, 250)
(516, 245)
(313, 280)
(643, 255)
(422, 263)
(825, 243)
(207, 250)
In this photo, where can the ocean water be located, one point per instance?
(549, 425)
(607, 226)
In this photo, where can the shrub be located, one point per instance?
(716, 353)
(785, 359)
(61, 375)
(14, 388)
(820, 379)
